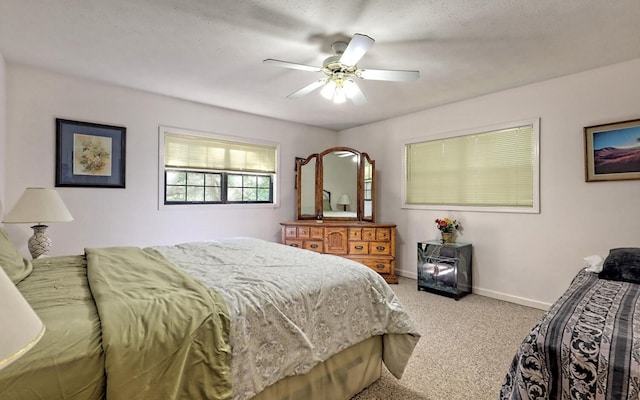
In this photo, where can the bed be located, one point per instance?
(587, 345)
(237, 318)
(328, 211)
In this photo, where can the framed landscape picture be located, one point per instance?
(612, 151)
(90, 155)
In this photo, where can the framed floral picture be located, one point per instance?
(612, 151)
(89, 154)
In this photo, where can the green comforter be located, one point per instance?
(165, 336)
(67, 363)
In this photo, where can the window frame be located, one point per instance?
(162, 130)
(533, 209)
(223, 187)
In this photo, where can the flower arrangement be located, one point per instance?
(447, 225)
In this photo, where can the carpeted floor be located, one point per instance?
(465, 349)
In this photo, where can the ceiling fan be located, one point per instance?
(341, 71)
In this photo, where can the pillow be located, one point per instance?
(622, 264)
(594, 263)
(11, 260)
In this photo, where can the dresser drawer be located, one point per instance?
(380, 266)
(314, 245)
(303, 231)
(383, 234)
(290, 232)
(355, 233)
(316, 233)
(294, 243)
(359, 248)
(368, 233)
(380, 248)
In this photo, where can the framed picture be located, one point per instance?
(89, 155)
(612, 151)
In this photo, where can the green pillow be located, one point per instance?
(16, 266)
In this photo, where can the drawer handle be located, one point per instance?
(314, 246)
(293, 245)
(380, 248)
(359, 247)
(380, 266)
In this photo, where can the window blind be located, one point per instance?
(487, 169)
(197, 152)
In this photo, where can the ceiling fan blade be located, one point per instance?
(357, 47)
(307, 89)
(290, 65)
(354, 93)
(389, 75)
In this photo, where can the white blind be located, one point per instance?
(184, 151)
(487, 169)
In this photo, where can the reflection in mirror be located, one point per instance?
(368, 189)
(340, 184)
(307, 188)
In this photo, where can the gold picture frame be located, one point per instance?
(612, 151)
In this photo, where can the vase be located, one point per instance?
(447, 237)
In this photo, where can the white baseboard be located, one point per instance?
(412, 274)
(491, 293)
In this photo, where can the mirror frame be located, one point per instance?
(318, 158)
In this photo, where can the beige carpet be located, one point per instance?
(465, 349)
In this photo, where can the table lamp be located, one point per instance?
(21, 327)
(344, 201)
(38, 205)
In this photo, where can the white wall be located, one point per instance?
(106, 217)
(529, 259)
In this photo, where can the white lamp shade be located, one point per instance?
(21, 327)
(344, 200)
(39, 205)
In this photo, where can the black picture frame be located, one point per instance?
(90, 154)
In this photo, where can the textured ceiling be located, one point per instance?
(212, 51)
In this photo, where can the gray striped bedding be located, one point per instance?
(587, 346)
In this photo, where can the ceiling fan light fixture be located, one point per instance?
(339, 96)
(340, 70)
(328, 90)
(350, 88)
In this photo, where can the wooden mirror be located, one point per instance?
(307, 187)
(336, 184)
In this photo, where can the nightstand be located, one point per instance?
(444, 268)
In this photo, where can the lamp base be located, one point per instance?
(39, 244)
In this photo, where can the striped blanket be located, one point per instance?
(587, 346)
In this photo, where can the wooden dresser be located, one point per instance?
(372, 244)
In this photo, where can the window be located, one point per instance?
(490, 170)
(199, 168)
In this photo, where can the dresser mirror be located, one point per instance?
(336, 184)
(307, 187)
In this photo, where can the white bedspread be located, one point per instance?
(290, 308)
